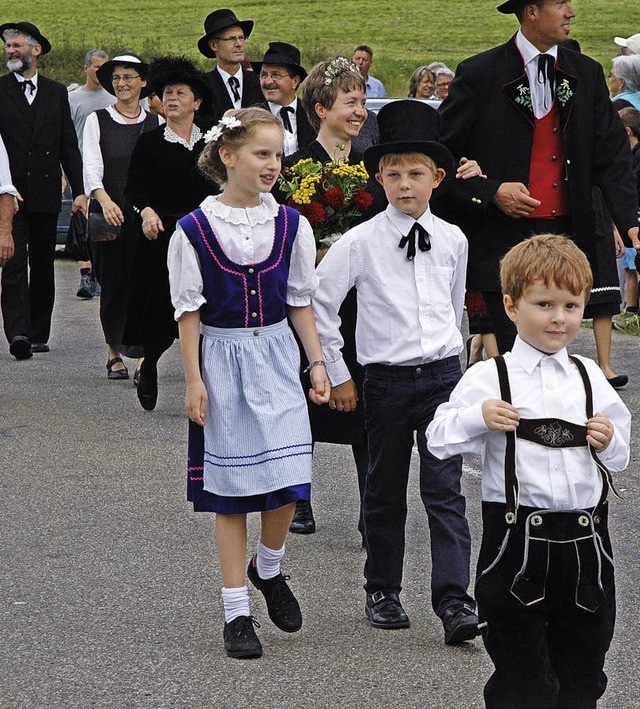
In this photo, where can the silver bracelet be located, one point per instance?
(314, 364)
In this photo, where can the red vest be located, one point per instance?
(547, 172)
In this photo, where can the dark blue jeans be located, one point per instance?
(399, 401)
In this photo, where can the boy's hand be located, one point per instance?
(321, 388)
(599, 431)
(499, 415)
(344, 397)
(195, 402)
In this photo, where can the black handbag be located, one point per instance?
(100, 229)
(76, 244)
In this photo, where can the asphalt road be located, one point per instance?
(109, 587)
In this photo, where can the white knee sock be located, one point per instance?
(268, 561)
(235, 602)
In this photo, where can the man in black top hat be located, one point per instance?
(225, 40)
(36, 125)
(280, 75)
(538, 119)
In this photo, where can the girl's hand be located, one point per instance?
(321, 389)
(112, 213)
(499, 415)
(195, 402)
(599, 431)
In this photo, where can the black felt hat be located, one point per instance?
(169, 71)
(511, 6)
(408, 126)
(282, 54)
(215, 22)
(105, 72)
(27, 28)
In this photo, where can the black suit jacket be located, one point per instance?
(305, 132)
(251, 93)
(484, 119)
(39, 138)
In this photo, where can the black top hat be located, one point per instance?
(282, 54)
(105, 72)
(168, 71)
(511, 6)
(220, 20)
(408, 126)
(27, 28)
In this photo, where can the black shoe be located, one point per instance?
(86, 287)
(303, 522)
(618, 382)
(282, 606)
(384, 610)
(20, 347)
(240, 639)
(112, 373)
(148, 388)
(40, 347)
(460, 624)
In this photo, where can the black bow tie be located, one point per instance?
(424, 241)
(547, 71)
(284, 115)
(30, 84)
(235, 85)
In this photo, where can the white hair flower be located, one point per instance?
(225, 123)
(212, 134)
(230, 122)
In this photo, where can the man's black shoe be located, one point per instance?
(303, 522)
(240, 639)
(282, 605)
(384, 610)
(460, 624)
(147, 388)
(20, 347)
(40, 347)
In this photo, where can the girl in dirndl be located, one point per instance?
(238, 266)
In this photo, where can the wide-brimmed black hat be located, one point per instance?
(282, 54)
(219, 20)
(511, 6)
(30, 29)
(408, 126)
(168, 71)
(105, 72)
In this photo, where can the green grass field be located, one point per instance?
(403, 35)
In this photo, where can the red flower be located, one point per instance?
(362, 200)
(314, 212)
(334, 198)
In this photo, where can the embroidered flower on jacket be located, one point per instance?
(564, 92)
(524, 98)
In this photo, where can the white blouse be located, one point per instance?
(246, 237)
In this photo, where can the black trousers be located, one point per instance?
(399, 401)
(550, 654)
(28, 283)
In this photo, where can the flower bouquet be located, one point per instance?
(330, 196)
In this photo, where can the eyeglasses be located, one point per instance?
(441, 85)
(276, 76)
(127, 78)
(234, 39)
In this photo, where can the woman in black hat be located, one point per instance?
(164, 184)
(108, 140)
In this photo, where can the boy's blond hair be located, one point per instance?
(407, 158)
(549, 258)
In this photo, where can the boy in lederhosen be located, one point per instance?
(549, 428)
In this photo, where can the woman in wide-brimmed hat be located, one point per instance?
(109, 137)
(164, 184)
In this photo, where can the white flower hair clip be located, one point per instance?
(336, 67)
(225, 123)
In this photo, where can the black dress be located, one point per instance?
(163, 175)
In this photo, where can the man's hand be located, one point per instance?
(468, 168)
(499, 415)
(344, 397)
(514, 200)
(80, 203)
(6, 245)
(633, 237)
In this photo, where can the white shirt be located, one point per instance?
(542, 386)
(290, 142)
(541, 97)
(6, 184)
(409, 312)
(225, 78)
(92, 163)
(30, 95)
(246, 236)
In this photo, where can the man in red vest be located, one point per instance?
(538, 119)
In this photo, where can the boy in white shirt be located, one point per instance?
(409, 270)
(544, 581)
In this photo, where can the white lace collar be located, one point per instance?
(172, 137)
(267, 209)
